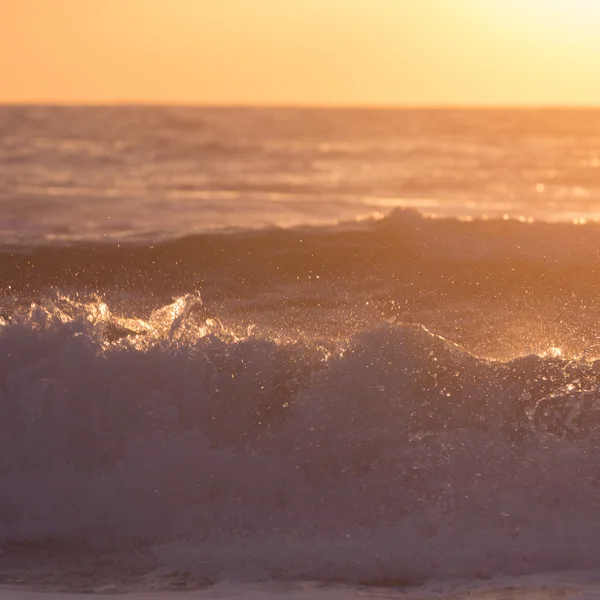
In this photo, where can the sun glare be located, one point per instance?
(552, 17)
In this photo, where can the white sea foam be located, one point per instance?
(392, 457)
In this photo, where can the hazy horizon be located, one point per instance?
(301, 106)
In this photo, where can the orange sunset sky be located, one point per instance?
(357, 52)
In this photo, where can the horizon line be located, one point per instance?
(294, 106)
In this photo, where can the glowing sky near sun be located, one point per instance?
(407, 52)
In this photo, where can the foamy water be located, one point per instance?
(236, 347)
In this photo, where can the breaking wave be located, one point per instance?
(394, 455)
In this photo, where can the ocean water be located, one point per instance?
(299, 353)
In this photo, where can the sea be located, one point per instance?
(299, 353)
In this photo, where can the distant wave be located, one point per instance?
(402, 243)
(394, 455)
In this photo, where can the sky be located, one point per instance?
(301, 52)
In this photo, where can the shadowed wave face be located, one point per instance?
(501, 288)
